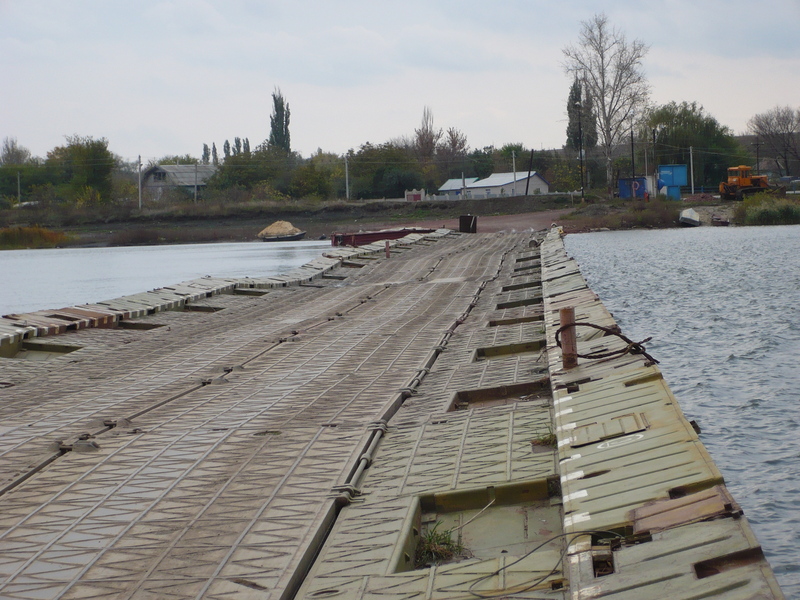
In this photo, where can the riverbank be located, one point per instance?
(186, 224)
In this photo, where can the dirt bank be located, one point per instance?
(243, 225)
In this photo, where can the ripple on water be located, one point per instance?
(720, 305)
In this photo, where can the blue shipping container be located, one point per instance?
(632, 187)
(673, 175)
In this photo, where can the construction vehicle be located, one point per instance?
(741, 182)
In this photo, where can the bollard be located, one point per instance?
(569, 342)
(387, 249)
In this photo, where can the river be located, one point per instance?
(722, 307)
(47, 279)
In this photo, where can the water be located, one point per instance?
(722, 307)
(47, 279)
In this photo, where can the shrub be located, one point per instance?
(30, 237)
(764, 209)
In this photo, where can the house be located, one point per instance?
(159, 178)
(508, 184)
(454, 187)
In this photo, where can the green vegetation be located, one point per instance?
(436, 547)
(548, 439)
(624, 214)
(30, 237)
(766, 209)
(675, 128)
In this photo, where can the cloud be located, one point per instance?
(164, 77)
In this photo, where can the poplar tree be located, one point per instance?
(279, 123)
(580, 115)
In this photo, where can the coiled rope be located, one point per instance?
(631, 348)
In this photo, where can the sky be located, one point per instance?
(163, 77)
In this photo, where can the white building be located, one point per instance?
(508, 184)
(452, 188)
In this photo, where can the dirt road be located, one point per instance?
(486, 224)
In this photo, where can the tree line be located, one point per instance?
(613, 131)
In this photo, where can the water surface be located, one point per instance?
(722, 307)
(55, 278)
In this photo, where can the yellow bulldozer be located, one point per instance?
(741, 182)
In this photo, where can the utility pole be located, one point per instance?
(757, 144)
(633, 168)
(140, 182)
(691, 166)
(633, 161)
(655, 161)
(530, 169)
(346, 179)
(19, 190)
(195, 183)
(514, 168)
(580, 144)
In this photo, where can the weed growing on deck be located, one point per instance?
(548, 439)
(436, 547)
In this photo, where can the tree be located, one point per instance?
(779, 129)
(13, 154)
(677, 127)
(20, 172)
(214, 156)
(226, 149)
(279, 123)
(610, 71)
(581, 119)
(237, 146)
(206, 154)
(427, 137)
(176, 159)
(482, 162)
(452, 153)
(383, 171)
(83, 168)
(309, 181)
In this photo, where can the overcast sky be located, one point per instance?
(163, 77)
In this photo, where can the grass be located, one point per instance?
(30, 237)
(623, 214)
(548, 439)
(766, 209)
(436, 547)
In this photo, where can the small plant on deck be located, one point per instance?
(546, 439)
(436, 547)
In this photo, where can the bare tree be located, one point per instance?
(13, 154)
(451, 153)
(610, 71)
(455, 143)
(427, 137)
(779, 129)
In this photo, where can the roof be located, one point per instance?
(184, 174)
(456, 183)
(498, 179)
